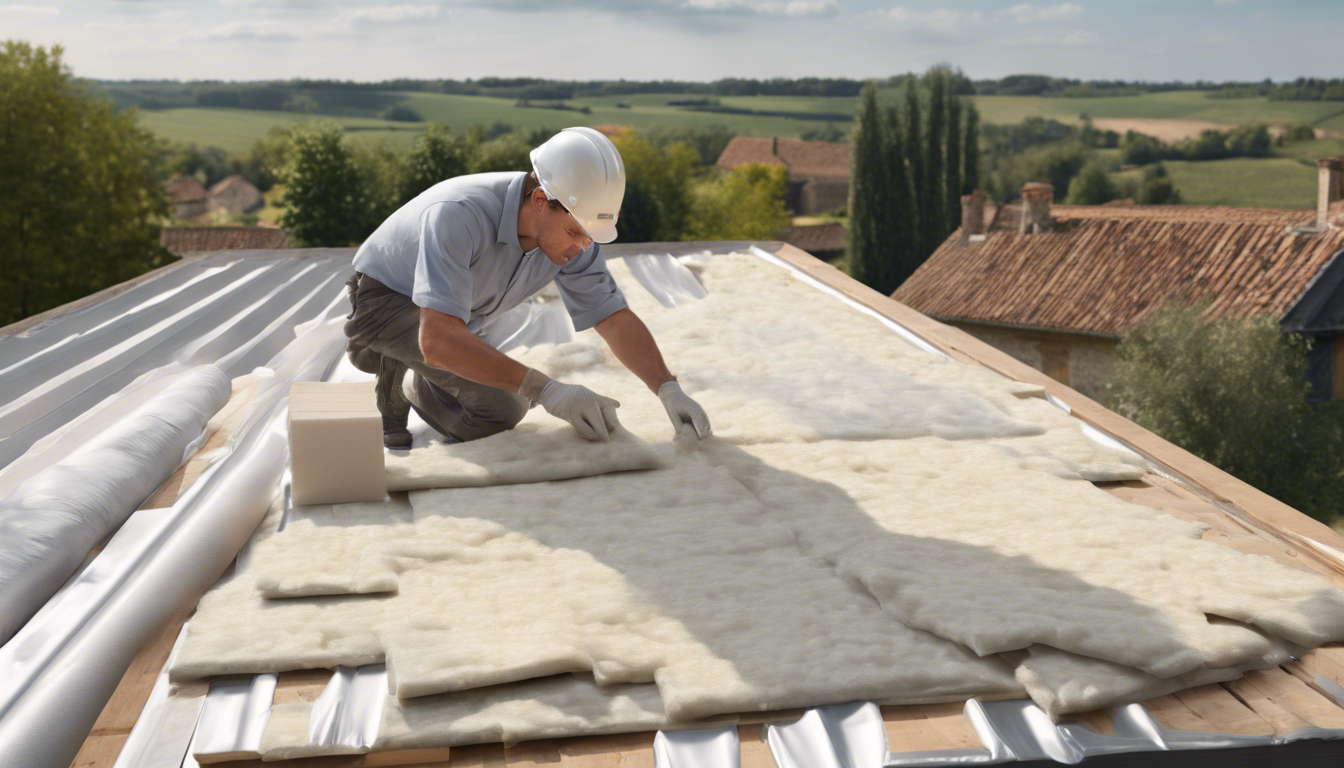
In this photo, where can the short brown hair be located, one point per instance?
(531, 183)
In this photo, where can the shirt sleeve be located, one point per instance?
(448, 236)
(589, 291)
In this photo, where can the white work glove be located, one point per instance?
(592, 415)
(682, 410)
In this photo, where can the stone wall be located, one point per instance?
(1090, 359)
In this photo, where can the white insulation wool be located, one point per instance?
(540, 448)
(870, 522)
(669, 576)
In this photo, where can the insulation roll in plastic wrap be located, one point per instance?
(50, 521)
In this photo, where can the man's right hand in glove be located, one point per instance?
(592, 415)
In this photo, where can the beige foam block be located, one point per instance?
(335, 443)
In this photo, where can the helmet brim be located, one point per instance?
(600, 232)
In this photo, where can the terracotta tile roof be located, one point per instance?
(185, 190)
(180, 240)
(818, 238)
(1103, 269)
(804, 159)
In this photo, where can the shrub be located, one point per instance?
(402, 114)
(1234, 393)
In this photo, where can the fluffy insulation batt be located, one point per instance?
(561, 705)
(870, 521)
(534, 451)
(672, 576)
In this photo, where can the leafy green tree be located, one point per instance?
(708, 140)
(326, 200)
(402, 114)
(379, 168)
(1092, 186)
(746, 203)
(437, 155)
(657, 188)
(1156, 187)
(1234, 393)
(508, 152)
(80, 185)
(264, 162)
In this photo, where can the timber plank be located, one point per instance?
(1285, 702)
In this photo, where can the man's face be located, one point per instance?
(559, 235)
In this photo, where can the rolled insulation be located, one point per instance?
(50, 522)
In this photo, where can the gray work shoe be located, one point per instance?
(395, 434)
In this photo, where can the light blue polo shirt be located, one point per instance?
(454, 249)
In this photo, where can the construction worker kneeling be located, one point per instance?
(430, 278)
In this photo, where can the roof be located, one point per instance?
(802, 158)
(1273, 703)
(185, 190)
(180, 240)
(817, 238)
(229, 182)
(1105, 268)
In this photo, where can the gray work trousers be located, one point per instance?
(383, 337)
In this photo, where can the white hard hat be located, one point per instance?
(582, 169)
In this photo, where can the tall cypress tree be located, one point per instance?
(954, 165)
(916, 167)
(970, 155)
(868, 191)
(935, 203)
(906, 235)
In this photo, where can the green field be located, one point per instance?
(1285, 180)
(237, 129)
(1246, 182)
(1182, 105)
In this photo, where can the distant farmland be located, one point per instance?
(174, 111)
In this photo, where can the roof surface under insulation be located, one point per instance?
(85, 365)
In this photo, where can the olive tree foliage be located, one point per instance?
(80, 185)
(1234, 393)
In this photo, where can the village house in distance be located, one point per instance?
(1055, 286)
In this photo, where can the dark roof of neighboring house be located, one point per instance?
(1105, 268)
(181, 240)
(818, 238)
(230, 181)
(185, 190)
(802, 158)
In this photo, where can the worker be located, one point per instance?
(429, 281)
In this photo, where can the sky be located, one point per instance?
(1152, 40)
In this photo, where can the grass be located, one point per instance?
(1182, 105)
(1274, 182)
(235, 130)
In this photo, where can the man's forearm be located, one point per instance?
(634, 346)
(446, 343)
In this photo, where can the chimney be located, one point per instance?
(774, 146)
(972, 215)
(1330, 179)
(1036, 199)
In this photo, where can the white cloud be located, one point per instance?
(387, 14)
(1075, 39)
(765, 7)
(937, 20)
(1027, 14)
(245, 30)
(29, 10)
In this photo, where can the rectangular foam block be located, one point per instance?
(335, 443)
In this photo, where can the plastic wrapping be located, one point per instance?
(50, 521)
(700, 748)
(73, 662)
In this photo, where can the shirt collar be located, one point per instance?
(508, 228)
